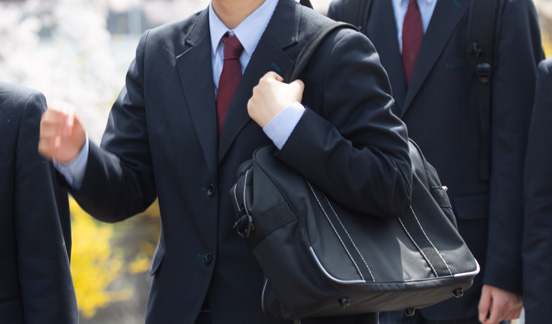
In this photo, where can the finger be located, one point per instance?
(46, 148)
(51, 131)
(484, 305)
(495, 317)
(52, 115)
(64, 113)
(250, 107)
(273, 75)
(52, 125)
(56, 106)
(516, 315)
(514, 312)
(70, 121)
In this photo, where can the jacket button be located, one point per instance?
(210, 190)
(207, 258)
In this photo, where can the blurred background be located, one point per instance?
(78, 51)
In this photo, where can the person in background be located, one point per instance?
(35, 230)
(537, 238)
(201, 95)
(424, 48)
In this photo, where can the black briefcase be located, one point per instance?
(321, 259)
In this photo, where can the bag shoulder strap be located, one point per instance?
(484, 25)
(356, 12)
(306, 3)
(310, 48)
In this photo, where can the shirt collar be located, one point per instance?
(399, 2)
(249, 31)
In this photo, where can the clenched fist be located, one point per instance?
(271, 95)
(62, 135)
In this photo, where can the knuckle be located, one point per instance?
(256, 88)
(251, 106)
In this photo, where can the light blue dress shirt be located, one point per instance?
(400, 7)
(249, 33)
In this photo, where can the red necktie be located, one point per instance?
(229, 78)
(412, 35)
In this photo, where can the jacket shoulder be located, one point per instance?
(177, 28)
(18, 99)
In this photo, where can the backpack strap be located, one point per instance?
(311, 47)
(483, 27)
(354, 12)
(306, 3)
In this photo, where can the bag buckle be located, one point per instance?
(244, 225)
(484, 72)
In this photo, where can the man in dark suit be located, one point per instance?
(35, 232)
(537, 238)
(162, 141)
(439, 104)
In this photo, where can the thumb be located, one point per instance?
(70, 115)
(273, 75)
(300, 84)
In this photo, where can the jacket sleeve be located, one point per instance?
(349, 143)
(118, 182)
(42, 228)
(335, 10)
(519, 52)
(537, 238)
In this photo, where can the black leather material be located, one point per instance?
(322, 259)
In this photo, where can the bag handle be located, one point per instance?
(306, 3)
(356, 12)
(311, 47)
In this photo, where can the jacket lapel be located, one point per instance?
(444, 20)
(269, 55)
(196, 77)
(387, 45)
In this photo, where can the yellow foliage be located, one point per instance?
(546, 43)
(140, 264)
(93, 265)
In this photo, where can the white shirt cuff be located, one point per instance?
(280, 127)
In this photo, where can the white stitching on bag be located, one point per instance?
(350, 238)
(335, 231)
(244, 189)
(417, 246)
(417, 221)
(236, 197)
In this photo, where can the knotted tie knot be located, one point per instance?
(232, 47)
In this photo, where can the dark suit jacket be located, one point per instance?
(440, 109)
(161, 140)
(537, 241)
(35, 232)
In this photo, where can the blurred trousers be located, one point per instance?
(204, 316)
(399, 317)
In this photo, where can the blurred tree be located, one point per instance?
(63, 48)
(93, 264)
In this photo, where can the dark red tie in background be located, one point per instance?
(229, 78)
(412, 35)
